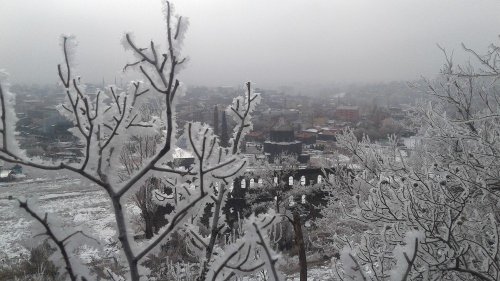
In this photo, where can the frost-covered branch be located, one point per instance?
(167, 230)
(411, 261)
(211, 158)
(241, 108)
(269, 257)
(50, 232)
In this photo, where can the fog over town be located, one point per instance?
(274, 43)
(249, 140)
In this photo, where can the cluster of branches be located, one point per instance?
(434, 214)
(105, 125)
(297, 201)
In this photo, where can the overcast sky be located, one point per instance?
(271, 42)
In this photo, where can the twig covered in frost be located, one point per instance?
(241, 108)
(51, 234)
(221, 158)
(411, 261)
(271, 260)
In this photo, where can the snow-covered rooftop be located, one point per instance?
(181, 153)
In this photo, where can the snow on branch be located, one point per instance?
(55, 233)
(240, 110)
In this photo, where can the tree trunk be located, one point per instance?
(299, 241)
(213, 236)
(148, 224)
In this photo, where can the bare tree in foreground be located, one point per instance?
(432, 215)
(105, 123)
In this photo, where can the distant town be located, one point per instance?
(301, 124)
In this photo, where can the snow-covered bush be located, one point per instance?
(432, 214)
(105, 121)
(37, 267)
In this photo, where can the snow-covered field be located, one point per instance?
(77, 203)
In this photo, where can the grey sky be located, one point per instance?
(271, 42)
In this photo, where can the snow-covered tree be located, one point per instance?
(107, 123)
(431, 213)
(280, 191)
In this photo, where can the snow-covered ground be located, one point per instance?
(323, 273)
(77, 203)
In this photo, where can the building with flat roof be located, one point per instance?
(347, 113)
(282, 141)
